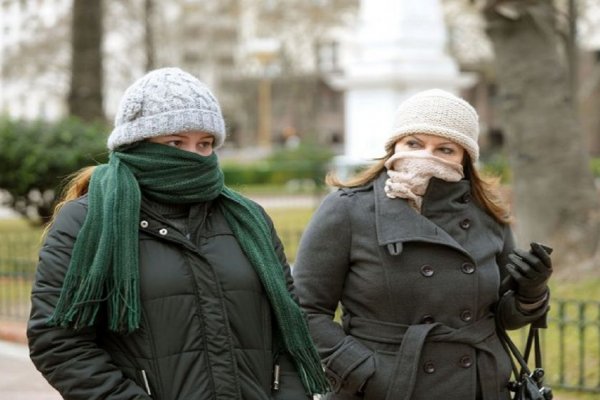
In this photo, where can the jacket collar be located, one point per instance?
(397, 222)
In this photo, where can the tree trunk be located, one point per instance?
(85, 96)
(554, 194)
(149, 34)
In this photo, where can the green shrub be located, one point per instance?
(305, 162)
(36, 157)
(595, 166)
(498, 166)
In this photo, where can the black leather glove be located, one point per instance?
(531, 270)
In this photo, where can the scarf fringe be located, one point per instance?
(310, 370)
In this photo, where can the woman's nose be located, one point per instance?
(191, 147)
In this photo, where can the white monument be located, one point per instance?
(399, 48)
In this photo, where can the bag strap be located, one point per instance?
(533, 342)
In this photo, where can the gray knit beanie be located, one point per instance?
(163, 102)
(437, 112)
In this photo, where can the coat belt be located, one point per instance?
(411, 339)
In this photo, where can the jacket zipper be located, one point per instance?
(146, 384)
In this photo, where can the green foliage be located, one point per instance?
(37, 156)
(305, 162)
(498, 166)
(246, 174)
(595, 166)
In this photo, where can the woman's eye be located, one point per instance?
(447, 150)
(174, 143)
(205, 145)
(412, 144)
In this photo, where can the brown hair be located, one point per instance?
(76, 186)
(484, 189)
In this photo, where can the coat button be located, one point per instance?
(465, 361)
(465, 223)
(466, 198)
(468, 268)
(428, 367)
(427, 270)
(163, 231)
(144, 224)
(466, 315)
(428, 319)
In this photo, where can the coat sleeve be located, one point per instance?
(510, 313)
(71, 361)
(320, 271)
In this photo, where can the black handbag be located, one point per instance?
(527, 385)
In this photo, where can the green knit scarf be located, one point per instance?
(104, 262)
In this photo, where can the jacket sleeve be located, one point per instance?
(320, 271)
(71, 361)
(510, 313)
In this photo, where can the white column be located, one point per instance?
(398, 49)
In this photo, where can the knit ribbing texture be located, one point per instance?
(166, 101)
(440, 113)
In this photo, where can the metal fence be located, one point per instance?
(18, 258)
(571, 344)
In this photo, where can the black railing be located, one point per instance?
(572, 345)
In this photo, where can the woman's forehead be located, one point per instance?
(428, 138)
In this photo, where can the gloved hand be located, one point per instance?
(531, 270)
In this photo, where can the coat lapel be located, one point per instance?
(396, 223)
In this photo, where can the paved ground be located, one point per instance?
(19, 380)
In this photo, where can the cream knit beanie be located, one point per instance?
(437, 112)
(163, 102)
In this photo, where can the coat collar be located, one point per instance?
(397, 222)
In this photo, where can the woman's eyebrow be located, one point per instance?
(415, 138)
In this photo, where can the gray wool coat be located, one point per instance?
(418, 294)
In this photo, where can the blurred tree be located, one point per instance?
(555, 197)
(85, 95)
(36, 157)
(149, 7)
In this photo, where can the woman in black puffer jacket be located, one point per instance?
(156, 281)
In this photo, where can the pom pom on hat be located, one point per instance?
(440, 113)
(163, 102)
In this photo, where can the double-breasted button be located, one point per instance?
(465, 198)
(429, 367)
(467, 268)
(427, 270)
(465, 361)
(466, 315)
(465, 223)
(428, 319)
(163, 231)
(334, 381)
(144, 224)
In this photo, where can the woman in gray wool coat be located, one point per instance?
(415, 249)
(155, 280)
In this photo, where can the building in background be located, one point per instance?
(274, 94)
(212, 39)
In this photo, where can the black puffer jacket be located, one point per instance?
(206, 330)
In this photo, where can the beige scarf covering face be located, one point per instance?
(410, 171)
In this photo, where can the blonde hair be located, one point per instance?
(484, 189)
(76, 186)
